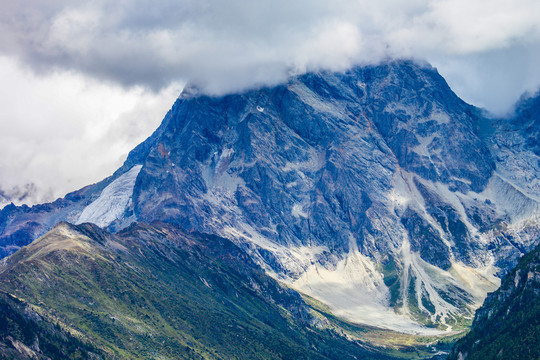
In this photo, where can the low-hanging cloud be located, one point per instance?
(228, 46)
(63, 131)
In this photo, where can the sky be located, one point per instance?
(83, 82)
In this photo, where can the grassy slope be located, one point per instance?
(24, 334)
(153, 292)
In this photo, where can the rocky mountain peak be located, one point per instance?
(365, 189)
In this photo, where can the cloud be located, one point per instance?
(63, 131)
(227, 46)
(494, 79)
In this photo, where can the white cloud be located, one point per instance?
(64, 131)
(226, 46)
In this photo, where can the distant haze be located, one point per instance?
(83, 82)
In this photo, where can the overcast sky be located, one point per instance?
(82, 82)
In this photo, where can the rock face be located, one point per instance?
(377, 190)
(507, 326)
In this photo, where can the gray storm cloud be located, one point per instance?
(225, 46)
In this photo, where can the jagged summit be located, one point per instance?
(371, 190)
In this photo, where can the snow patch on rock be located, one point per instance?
(113, 200)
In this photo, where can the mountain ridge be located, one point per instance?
(157, 291)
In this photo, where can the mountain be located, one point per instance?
(507, 326)
(154, 291)
(375, 191)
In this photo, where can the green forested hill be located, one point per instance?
(507, 326)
